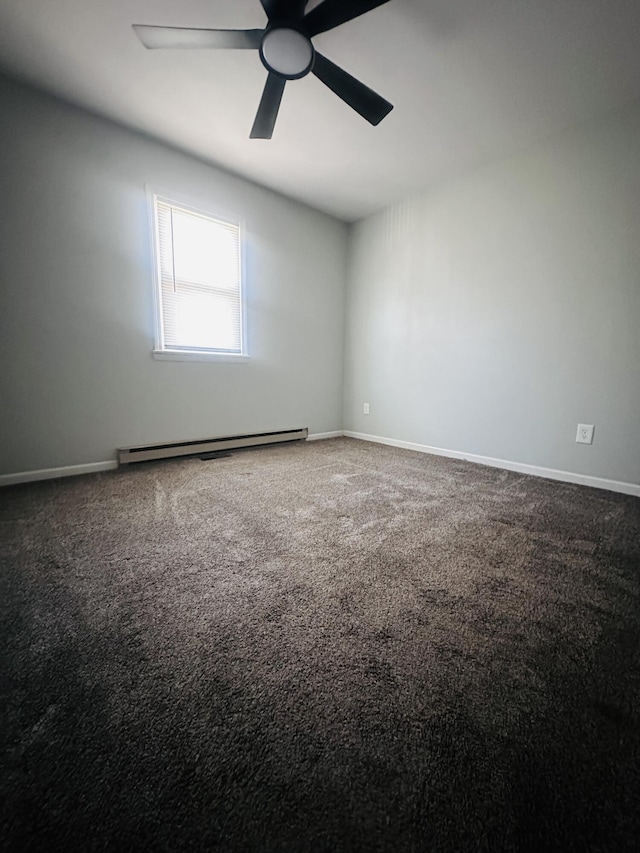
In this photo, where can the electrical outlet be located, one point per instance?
(585, 434)
(365, 409)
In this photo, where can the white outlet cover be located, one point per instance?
(365, 409)
(585, 434)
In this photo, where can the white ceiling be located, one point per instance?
(472, 81)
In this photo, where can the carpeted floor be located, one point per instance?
(333, 646)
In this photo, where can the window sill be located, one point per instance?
(186, 355)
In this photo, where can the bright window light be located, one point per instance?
(200, 282)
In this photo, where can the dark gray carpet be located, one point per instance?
(328, 647)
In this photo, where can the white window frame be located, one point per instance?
(160, 352)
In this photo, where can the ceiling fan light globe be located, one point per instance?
(287, 52)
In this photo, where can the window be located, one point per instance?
(199, 283)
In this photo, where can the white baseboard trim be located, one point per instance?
(319, 436)
(520, 467)
(95, 467)
(54, 473)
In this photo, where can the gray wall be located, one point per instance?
(76, 297)
(493, 315)
(489, 316)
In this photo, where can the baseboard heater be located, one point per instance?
(127, 455)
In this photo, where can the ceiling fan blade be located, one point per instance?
(361, 98)
(184, 37)
(268, 109)
(284, 9)
(332, 13)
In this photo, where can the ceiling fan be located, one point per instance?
(286, 52)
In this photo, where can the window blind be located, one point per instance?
(200, 280)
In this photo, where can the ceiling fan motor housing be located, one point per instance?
(287, 52)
